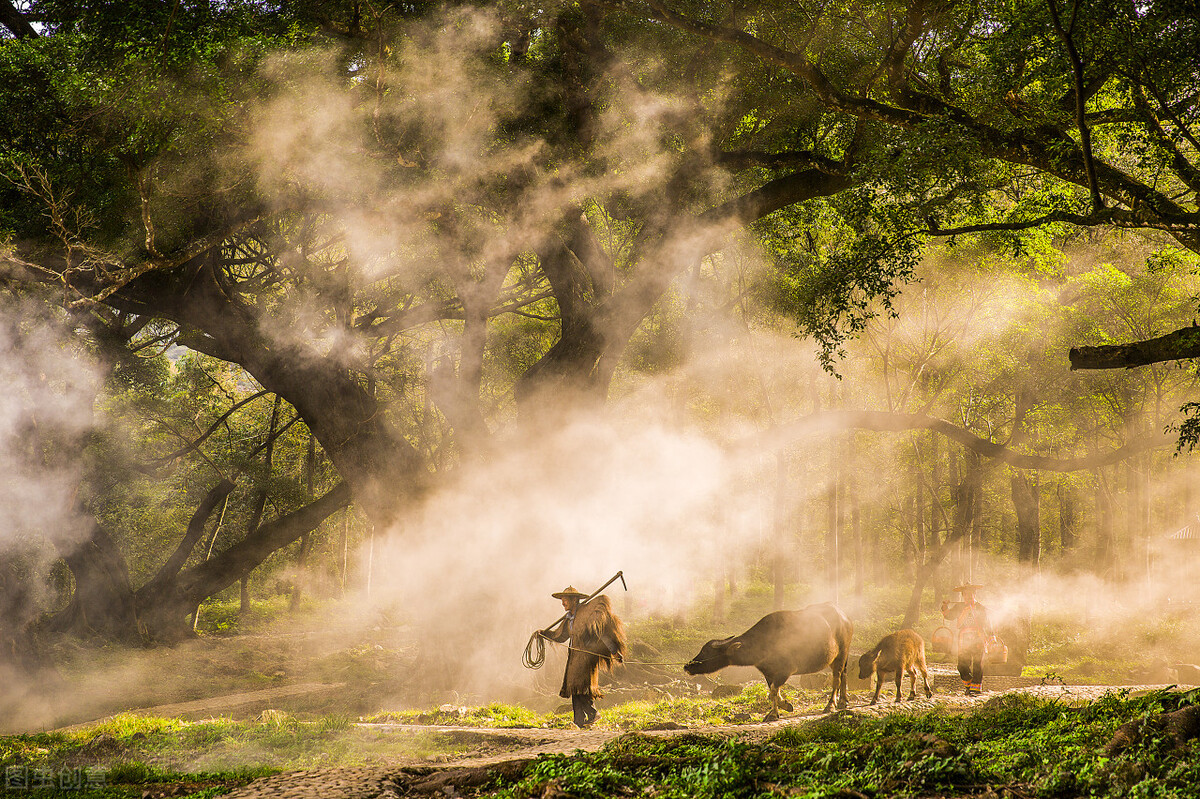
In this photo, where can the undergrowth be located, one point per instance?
(1027, 746)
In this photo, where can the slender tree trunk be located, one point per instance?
(344, 547)
(1068, 521)
(310, 468)
(977, 529)
(963, 523)
(1105, 543)
(1148, 516)
(779, 555)
(935, 485)
(832, 521)
(719, 597)
(911, 553)
(1029, 533)
(856, 533)
(961, 492)
(922, 546)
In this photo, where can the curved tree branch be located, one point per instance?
(217, 574)
(195, 529)
(170, 456)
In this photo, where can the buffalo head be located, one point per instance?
(715, 655)
(866, 664)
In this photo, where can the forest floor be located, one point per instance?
(139, 753)
(335, 713)
(506, 749)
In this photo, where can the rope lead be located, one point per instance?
(535, 655)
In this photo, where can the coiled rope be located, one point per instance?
(535, 652)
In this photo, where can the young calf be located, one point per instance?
(902, 652)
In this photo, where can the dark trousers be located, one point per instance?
(970, 668)
(584, 708)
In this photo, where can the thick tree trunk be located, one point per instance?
(103, 602)
(384, 471)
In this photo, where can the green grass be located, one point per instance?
(1037, 747)
(495, 715)
(133, 750)
(747, 707)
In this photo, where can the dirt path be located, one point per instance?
(385, 782)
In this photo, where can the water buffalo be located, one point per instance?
(901, 652)
(784, 643)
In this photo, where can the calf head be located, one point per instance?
(715, 655)
(866, 664)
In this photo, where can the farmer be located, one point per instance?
(974, 629)
(597, 638)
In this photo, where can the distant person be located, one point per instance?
(597, 638)
(974, 630)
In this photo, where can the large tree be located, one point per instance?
(365, 207)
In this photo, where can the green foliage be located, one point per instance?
(1041, 747)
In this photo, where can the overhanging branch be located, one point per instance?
(1117, 217)
(1181, 344)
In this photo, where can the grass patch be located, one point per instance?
(495, 715)
(1037, 747)
(747, 707)
(134, 750)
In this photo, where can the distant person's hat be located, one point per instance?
(569, 591)
(968, 587)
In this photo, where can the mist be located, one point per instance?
(707, 459)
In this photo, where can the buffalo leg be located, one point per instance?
(774, 714)
(912, 683)
(878, 686)
(839, 682)
(783, 703)
(925, 680)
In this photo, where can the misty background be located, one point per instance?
(408, 334)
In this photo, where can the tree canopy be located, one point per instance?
(414, 221)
